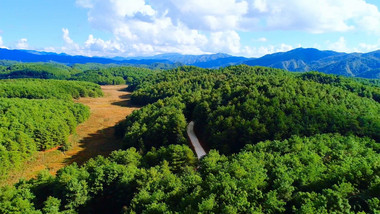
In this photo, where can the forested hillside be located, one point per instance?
(322, 174)
(42, 89)
(280, 142)
(364, 65)
(243, 105)
(109, 74)
(37, 115)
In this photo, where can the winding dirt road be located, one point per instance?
(93, 137)
(194, 141)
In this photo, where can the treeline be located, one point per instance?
(35, 70)
(192, 79)
(46, 89)
(362, 87)
(113, 75)
(37, 115)
(321, 174)
(96, 73)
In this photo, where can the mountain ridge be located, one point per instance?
(366, 65)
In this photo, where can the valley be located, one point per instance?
(277, 142)
(93, 137)
(190, 107)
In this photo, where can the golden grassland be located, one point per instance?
(92, 138)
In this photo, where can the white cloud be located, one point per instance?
(98, 46)
(214, 15)
(227, 42)
(364, 47)
(50, 49)
(138, 29)
(84, 3)
(260, 5)
(70, 46)
(340, 45)
(264, 50)
(261, 39)
(371, 22)
(1, 43)
(66, 37)
(22, 44)
(146, 27)
(130, 8)
(316, 16)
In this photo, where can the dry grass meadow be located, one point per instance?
(93, 137)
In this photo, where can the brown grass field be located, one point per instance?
(92, 138)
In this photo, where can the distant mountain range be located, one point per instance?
(36, 56)
(203, 61)
(365, 65)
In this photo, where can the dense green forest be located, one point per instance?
(280, 143)
(42, 89)
(362, 87)
(321, 174)
(113, 75)
(37, 115)
(91, 72)
(243, 105)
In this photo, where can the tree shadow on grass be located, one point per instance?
(103, 142)
(126, 102)
(125, 89)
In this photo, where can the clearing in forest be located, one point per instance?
(93, 137)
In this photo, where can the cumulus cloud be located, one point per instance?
(66, 36)
(264, 50)
(341, 46)
(91, 47)
(50, 49)
(143, 27)
(84, 3)
(98, 46)
(364, 47)
(70, 46)
(228, 42)
(22, 44)
(215, 15)
(129, 8)
(317, 16)
(1, 42)
(261, 39)
(139, 29)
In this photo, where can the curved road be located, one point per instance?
(194, 141)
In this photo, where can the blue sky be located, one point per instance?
(249, 28)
